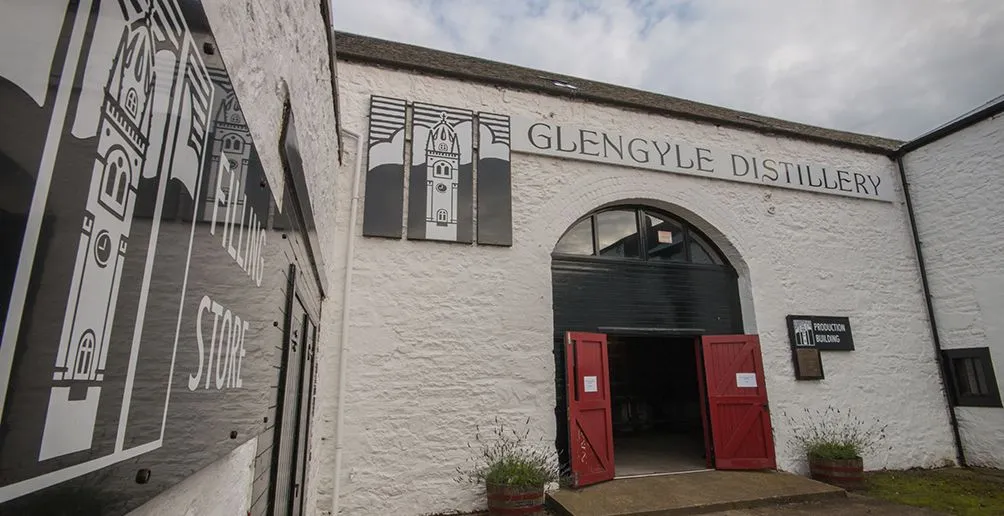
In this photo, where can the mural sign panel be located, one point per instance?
(442, 173)
(494, 180)
(383, 209)
(441, 187)
(142, 279)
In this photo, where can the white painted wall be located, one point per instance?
(221, 489)
(270, 48)
(444, 337)
(956, 188)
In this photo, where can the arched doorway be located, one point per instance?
(650, 286)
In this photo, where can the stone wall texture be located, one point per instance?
(272, 49)
(444, 337)
(956, 188)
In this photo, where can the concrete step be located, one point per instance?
(689, 493)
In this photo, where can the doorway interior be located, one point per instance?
(656, 399)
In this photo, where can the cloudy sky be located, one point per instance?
(894, 68)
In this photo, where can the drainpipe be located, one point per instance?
(960, 453)
(343, 354)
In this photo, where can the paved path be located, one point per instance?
(851, 506)
(690, 493)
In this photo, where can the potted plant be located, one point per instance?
(833, 441)
(514, 469)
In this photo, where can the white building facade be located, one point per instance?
(955, 187)
(469, 220)
(443, 338)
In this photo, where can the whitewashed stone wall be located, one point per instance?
(956, 186)
(271, 48)
(445, 336)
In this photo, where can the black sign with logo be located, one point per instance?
(143, 257)
(820, 332)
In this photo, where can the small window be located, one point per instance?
(132, 101)
(112, 175)
(442, 170)
(116, 180)
(702, 252)
(664, 239)
(442, 216)
(617, 233)
(85, 355)
(578, 240)
(971, 375)
(123, 183)
(232, 143)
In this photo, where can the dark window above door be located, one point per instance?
(578, 240)
(638, 233)
(617, 234)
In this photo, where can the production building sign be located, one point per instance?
(822, 333)
(810, 334)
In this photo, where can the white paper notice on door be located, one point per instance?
(589, 384)
(745, 379)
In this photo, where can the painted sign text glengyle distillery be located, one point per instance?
(681, 157)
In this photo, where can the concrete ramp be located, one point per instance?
(689, 493)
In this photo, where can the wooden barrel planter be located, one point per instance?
(845, 473)
(515, 501)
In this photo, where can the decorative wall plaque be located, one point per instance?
(808, 364)
(494, 180)
(441, 187)
(383, 207)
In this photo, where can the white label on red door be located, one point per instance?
(745, 379)
(589, 384)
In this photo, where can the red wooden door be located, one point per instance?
(737, 399)
(590, 432)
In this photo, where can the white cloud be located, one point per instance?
(894, 68)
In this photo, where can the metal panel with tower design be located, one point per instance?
(441, 185)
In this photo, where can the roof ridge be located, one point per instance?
(355, 47)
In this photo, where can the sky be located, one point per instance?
(892, 68)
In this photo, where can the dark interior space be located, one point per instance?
(655, 405)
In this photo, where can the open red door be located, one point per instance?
(590, 432)
(737, 399)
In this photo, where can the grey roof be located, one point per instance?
(364, 49)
